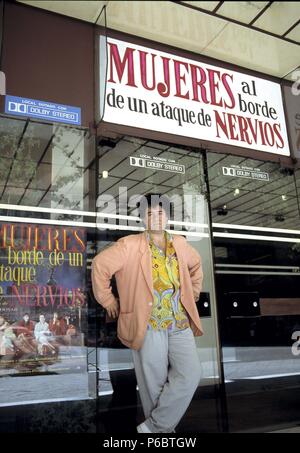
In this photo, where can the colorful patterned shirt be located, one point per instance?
(167, 311)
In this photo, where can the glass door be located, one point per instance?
(127, 169)
(47, 226)
(256, 242)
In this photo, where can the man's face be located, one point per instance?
(26, 318)
(155, 218)
(42, 319)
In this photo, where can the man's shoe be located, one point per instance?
(143, 428)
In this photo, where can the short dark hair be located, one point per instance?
(151, 200)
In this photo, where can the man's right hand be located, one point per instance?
(113, 309)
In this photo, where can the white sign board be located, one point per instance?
(154, 90)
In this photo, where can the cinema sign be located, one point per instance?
(154, 90)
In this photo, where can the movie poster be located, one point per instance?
(43, 307)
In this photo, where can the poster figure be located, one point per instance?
(43, 307)
(44, 337)
(7, 337)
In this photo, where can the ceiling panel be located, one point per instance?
(84, 10)
(210, 6)
(165, 22)
(241, 11)
(294, 34)
(293, 75)
(180, 26)
(255, 50)
(279, 17)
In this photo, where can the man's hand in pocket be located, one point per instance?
(113, 309)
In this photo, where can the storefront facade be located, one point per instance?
(153, 119)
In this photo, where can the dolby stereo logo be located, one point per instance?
(137, 161)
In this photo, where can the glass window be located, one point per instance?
(256, 238)
(47, 220)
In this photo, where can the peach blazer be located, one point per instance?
(129, 259)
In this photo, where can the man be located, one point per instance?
(26, 326)
(57, 326)
(43, 336)
(159, 279)
(25, 333)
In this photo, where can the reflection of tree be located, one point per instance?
(73, 161)
(296, 248)
(51, 281)
(17, 162)
(19, 158)
(295, 252)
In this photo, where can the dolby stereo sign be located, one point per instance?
(154, 90)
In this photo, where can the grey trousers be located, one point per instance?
(167, 370)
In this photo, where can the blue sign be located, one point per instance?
(41, 109)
